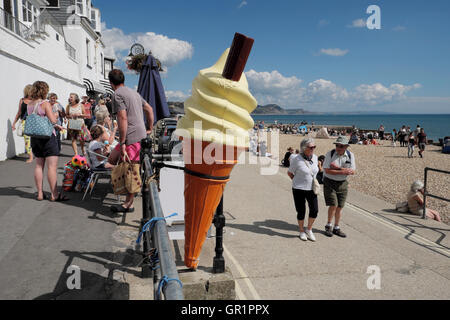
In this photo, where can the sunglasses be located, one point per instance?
(341, 146)
(312, 148)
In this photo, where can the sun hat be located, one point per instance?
(342, 140)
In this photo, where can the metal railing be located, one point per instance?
(156, 238)
(425, 192)
(13, 24)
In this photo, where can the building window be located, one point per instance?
(53, 3)
(108, 67)
(79, 4)
(103, 65)
(88, 52)
(27, 11)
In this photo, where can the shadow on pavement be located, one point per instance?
(265, 227)
(410, 224)
(94, 286)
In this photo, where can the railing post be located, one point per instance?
(424, 216)
(219, 223)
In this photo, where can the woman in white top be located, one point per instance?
(75, 110)
(303, 171)
(415, 202)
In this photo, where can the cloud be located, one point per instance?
(242, 4)
(168, 50)
(176, 95)
(334, 52)
(358, 23)
(399, 28)
(323, 23)
(321, 94)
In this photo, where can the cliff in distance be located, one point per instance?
(270, 109)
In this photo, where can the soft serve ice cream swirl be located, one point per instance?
(223, 106)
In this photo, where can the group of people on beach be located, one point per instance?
(410, 138)
(114, 126)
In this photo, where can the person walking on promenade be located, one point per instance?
(75, 111)
(22, 116)
(422, 141)
(415, 202)
(411, 144)
(46, 151)
(87, 112)
(129, 106)
(303, 171)
(338, 165)
(59, 112)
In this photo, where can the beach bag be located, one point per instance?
(69, 176)
(37, 126)
(133, 182)
(85, 134)
(118, 175)
(19, 128)
(75, 124)
(402, 207)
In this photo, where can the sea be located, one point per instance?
(437, 126)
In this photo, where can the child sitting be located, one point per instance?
(99, 145)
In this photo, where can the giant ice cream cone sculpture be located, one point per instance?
(214, 132)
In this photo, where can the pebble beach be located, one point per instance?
(386, 172)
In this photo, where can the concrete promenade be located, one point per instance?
(40, 240)
(269, 261)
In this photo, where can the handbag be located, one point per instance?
(37, 126)
(126, 177)
(316, 185)
(19, 129)
(75, 124)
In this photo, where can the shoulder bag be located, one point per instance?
(75, 124)
(316, 185)
(37, 126)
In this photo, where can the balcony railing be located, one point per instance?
(13, 24)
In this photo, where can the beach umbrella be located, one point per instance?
(151, 88)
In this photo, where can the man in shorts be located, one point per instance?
(130, 107)
(338, 165)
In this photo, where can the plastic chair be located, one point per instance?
(95, 173)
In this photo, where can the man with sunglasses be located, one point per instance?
(338, 165)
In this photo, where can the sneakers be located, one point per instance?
(303, 236)
(339, 233)
(328, 231)
(310, 235)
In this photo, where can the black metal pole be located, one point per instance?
(425, 195)
(219, 223)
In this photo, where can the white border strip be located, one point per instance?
(402, 230)
(243, 275)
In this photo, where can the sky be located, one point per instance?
(317, 55)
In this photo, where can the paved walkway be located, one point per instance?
(269, 261)
(40, 240)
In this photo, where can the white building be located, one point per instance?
(58, 42)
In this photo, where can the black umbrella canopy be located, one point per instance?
(151, 88)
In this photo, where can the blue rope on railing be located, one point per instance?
(149, 225)
(163, 283)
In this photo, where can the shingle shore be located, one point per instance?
(386, 172)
